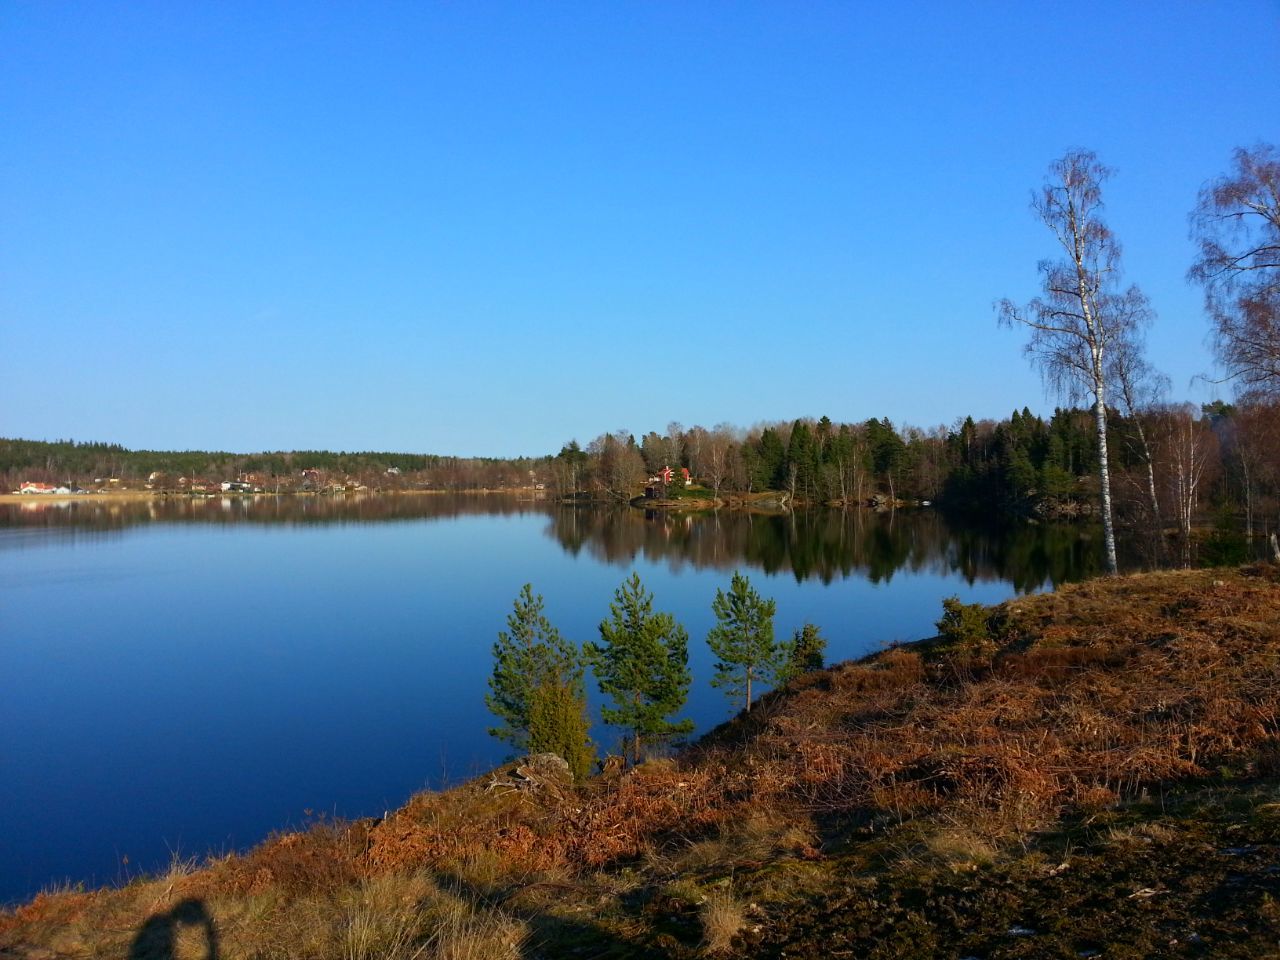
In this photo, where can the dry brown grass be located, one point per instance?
(383, 917)
(723, 917)
(463, 931)
(960, 848)
(1093, 694)
(757, 837)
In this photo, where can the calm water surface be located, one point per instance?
(185, 677)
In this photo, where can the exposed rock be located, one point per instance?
(535, 773)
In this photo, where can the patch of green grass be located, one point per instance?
(677, 491)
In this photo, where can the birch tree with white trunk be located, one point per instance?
(1080, 317)
(716, 448)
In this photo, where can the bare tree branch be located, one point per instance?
(1237, 224)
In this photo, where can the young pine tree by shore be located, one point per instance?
(642, 663)
(743, 640)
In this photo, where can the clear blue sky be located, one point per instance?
(482, 228)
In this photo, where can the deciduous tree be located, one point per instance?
(1190, 448)
(1237, 224)
(717, 449)
(619, 467)
(1255, 442)
(1081, 315)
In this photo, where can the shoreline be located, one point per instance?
(107, 496)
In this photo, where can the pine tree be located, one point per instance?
(642, 664)
(743, 639)
(802, 654)
(530, 659)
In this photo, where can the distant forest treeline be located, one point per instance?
(1219, 457)
(66, 461)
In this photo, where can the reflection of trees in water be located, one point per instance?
(809, 544)
(359, 508)
(835, 544)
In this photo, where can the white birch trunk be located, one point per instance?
(1104, 476)
(1095, 341)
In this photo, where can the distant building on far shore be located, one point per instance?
(30, 487)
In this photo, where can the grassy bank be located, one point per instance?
(1094, 772)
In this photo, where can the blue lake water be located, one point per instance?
(185, 678)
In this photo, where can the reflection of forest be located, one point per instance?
(820, 543)
(115, 514)
(832, 544)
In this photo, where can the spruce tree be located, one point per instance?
(536, 673)
(771, 466)
(642, 664)
(743, 639)
(803, 454)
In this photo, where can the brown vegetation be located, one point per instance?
(940, 755)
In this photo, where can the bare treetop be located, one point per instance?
(1237, 224)
(1070, 204)
(1080, 316)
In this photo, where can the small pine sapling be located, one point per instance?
(743, 640)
